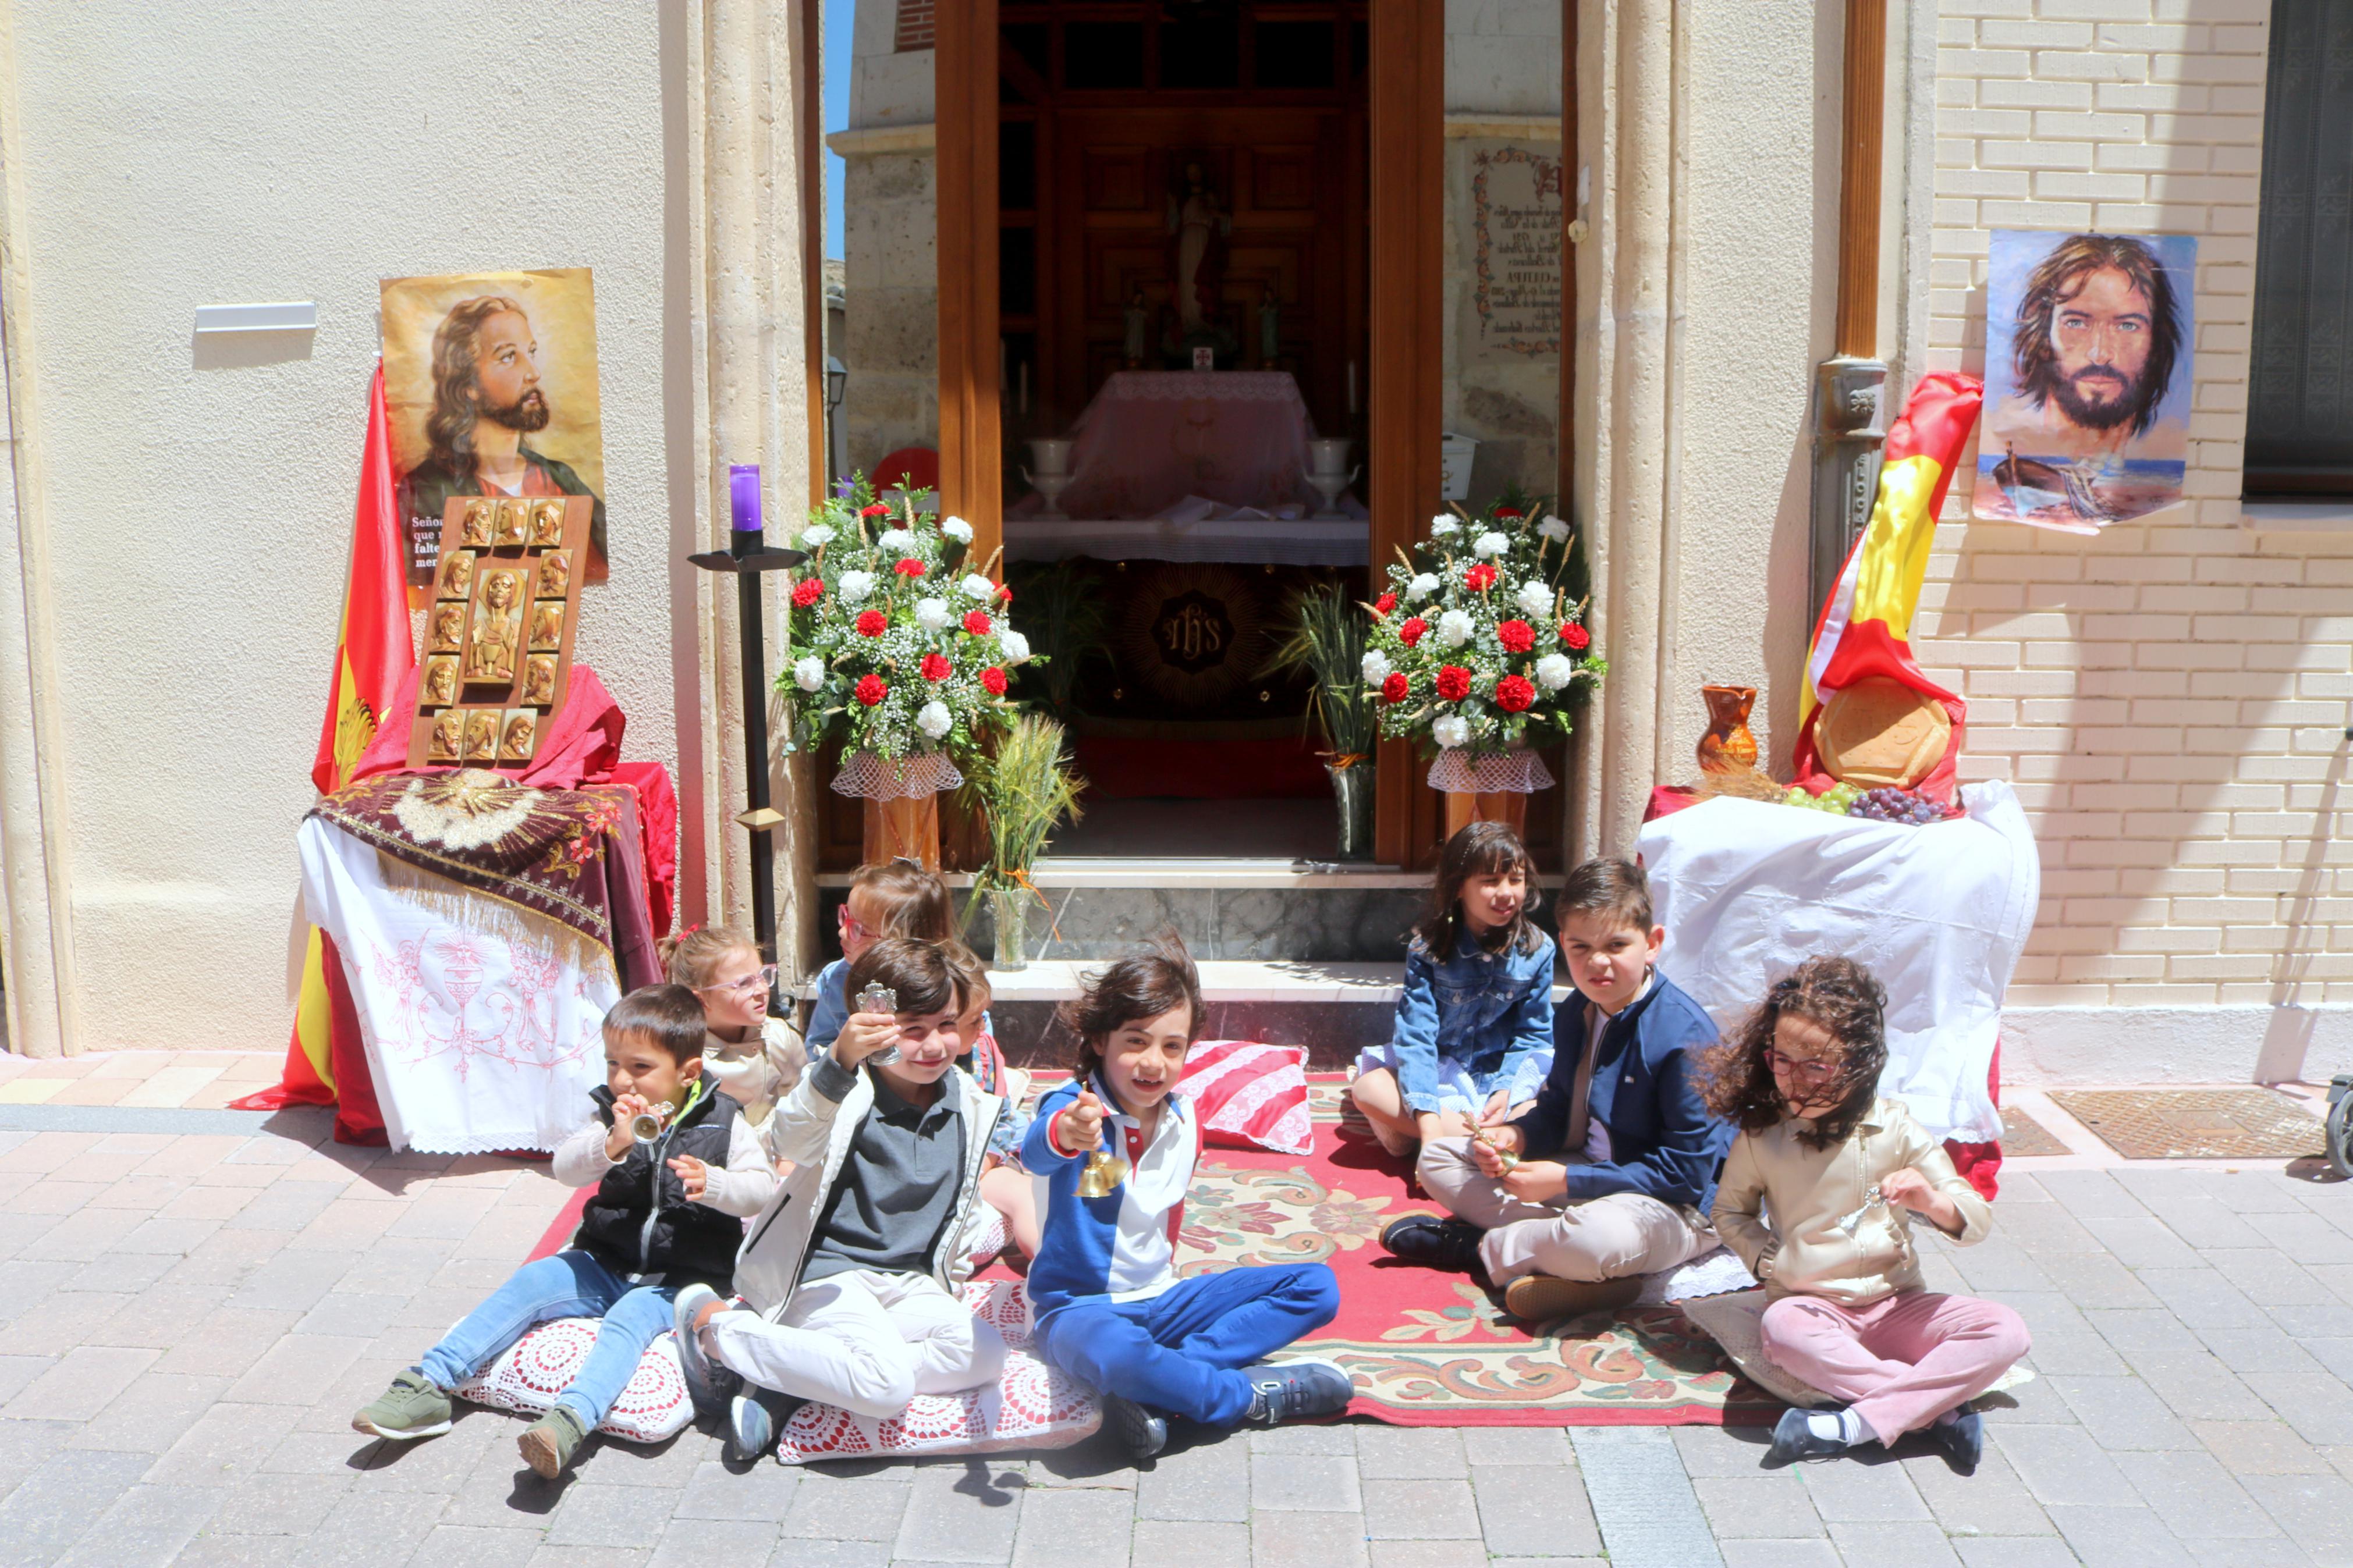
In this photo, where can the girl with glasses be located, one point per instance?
(1819, 1197)
(897, 898)
(756, 1057)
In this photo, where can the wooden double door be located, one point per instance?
(1404, 221)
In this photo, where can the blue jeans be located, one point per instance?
(1180, 1351)
(569, 1285)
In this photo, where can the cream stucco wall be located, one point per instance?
(196, 503)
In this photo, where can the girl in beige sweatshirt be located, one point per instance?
(1818, 1197)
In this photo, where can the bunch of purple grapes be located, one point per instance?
(1896, 805)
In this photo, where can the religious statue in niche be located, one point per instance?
(497, 625)
(1199, 228)
(1137, 319)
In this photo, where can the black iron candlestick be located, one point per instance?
(747, 556)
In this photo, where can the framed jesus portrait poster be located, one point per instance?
(490, 380)
(2089, 348)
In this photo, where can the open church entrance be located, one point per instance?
(1182, 209)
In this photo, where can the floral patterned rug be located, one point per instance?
(1432, 1349)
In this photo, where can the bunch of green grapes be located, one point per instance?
(1834, 800)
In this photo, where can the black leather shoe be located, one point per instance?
(1435, 1242)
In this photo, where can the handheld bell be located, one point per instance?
(647, 1125)
(1102, 1176)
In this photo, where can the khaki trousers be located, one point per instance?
(1607, 1238)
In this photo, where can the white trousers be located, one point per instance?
(866, 1342)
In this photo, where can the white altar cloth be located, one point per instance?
(1150, 439)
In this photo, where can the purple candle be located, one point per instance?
(744, 497)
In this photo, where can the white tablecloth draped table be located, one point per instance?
(1150, 439)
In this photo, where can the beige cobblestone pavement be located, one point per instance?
(193, 1310)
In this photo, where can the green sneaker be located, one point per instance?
(411, 1407)
(550, 1442)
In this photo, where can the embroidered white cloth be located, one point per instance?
(1489, 773)
(1154, 437)
(484, 1022)
(865, 776)
(1748, 890)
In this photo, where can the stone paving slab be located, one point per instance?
(192, 1302)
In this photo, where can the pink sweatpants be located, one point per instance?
(1899, 1363)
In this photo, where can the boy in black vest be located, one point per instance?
(667, 1213)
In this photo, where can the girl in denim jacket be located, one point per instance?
(1477, 1003)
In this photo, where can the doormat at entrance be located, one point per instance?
(2195, 1123)
(1425, 1348)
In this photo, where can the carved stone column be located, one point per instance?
(1849, 426)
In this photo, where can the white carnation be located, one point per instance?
(816, 533)
(958, 528)
(1453, 628)
(934, 615)
(1451, 732)
(934, 718)
(1555, 671)
(897, 540)
(1443, 527)
(1016, 646)
(856, 586)
(1377, 667)
(1535, 599)
(1422, 586)
(809, 674)
(976, 586)
(1553, 528)
(1489, 544)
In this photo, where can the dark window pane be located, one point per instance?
(1016, 271)
(2300, 375)
(1295, 54)
(1102, 56)
(1202, 53)
(1017, 163)
(1360, 50)
(1027, 39)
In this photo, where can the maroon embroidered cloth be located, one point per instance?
(569, 854)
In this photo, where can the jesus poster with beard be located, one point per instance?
(2088, 373)
(491, 382)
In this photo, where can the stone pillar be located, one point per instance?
(747, 68)
(1849, 426)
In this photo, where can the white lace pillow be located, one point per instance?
(652, 1408)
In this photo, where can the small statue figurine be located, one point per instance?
(554, 572)
(474, 532)
(1269, 329)
(546, 524)
(514, 523)
(490, 655)
(481, 733)
(539, 681)
(440, 680)
(547, 625)
(458, 574)
(447, 741)
(515, 746)
(448, 628)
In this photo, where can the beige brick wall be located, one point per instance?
(2168, 699)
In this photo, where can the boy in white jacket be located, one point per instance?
(848, 1281)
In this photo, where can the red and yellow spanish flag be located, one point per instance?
(1866, 623)
(373, 655)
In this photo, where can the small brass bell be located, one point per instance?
(647, 1125)
(1102, 1176)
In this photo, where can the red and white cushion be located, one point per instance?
(1030, 1405)
(1248, 1096)
(652, 1408)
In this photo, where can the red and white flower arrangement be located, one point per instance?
(1475, 645)
(894, 644)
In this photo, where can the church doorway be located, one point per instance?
(1181, 208)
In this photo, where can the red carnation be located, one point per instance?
(1517, 636)
(1480, 578)
(1453, 683)
(1513, 693)
(992, 680)
(936, 669)
(1577, 638)
(808, 590)
(909, 567)
(1509, 511)
(1004, 591)
(870, 689)
(1395, 688)
(976, 623)
(877, 510)
(870, 623)
(1410, 633)
(1384, 605)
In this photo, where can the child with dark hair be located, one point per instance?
(755, 1056)
(848, 1280)
(887, 898)
(1817, 1197)
(667, 1213)
(1112, 1156)
(1477, 1003)
(1607, 1176)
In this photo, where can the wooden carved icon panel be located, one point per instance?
(497, 635)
